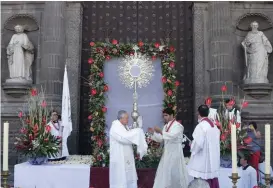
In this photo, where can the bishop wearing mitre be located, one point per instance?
(58, 130)
(122, 161)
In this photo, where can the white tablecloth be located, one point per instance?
(51, 176)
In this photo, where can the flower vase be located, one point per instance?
(37, 160)
(226, 161)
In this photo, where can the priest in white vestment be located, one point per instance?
(249, 174)
(213, 114)
(172, 171)
(57, 129)
(122, 161)
(205, 150)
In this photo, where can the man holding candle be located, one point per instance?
(205, 149)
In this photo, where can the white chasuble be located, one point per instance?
(122, 161)
(248, 177)
(213, 114)
(172, 171)
(57, 129)
(205, 151)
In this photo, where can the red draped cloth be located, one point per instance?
(213, 183)
(99, 177)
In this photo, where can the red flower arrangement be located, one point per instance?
(35, 139)
(224, 124)
(100, 53)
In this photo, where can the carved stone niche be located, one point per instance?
(255, 87)
(20, 54)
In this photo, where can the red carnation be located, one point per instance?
(170, 105)
(153, 57)
(30, 136)
(99, 158)
(105, 88)
(114, 41)
(140, 43)
(245, 104)
(43, 104)
(104, 109)
(99, 142)
(172, 49)
(20, 114)
(231, 102)
(238, 125)
(48, 128)
(170, 92)
(157, 45)
(164, 80)
(132, 53)
(92, 44)
(108, 57)
(23, 130)
(34, 92)
(90, 61)
(223, 137)
(46, 139)
(176, 83)
(93, 92)
(172, 65)
(101, 74)
(208, 101)
(224, 88)
(248, 140)
(90, 117)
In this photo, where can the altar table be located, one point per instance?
(51, 176)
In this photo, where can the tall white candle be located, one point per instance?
(6, 147)
(234, 148)
(267, 149)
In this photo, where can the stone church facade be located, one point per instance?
(206, 35)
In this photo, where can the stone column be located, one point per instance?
(53, 48)
(220, 47)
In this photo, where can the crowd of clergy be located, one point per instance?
(172, 172)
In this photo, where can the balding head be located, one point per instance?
(123, 117)
(199, 183)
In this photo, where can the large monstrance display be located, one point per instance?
(136, 71)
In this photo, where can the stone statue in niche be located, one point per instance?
(256, 49)
(20, 53)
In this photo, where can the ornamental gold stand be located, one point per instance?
(5, 176)
(267, 178)
(234, 177)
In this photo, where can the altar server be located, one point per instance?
(232, 113)
(249, 174)
(122, 161)
(213, 114)
(205, 150)
(57, 129)
(171, 172)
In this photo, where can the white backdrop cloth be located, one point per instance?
(51, 176)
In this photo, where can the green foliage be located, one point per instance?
(35, 139)
(100, 53)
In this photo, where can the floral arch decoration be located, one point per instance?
(100, 54)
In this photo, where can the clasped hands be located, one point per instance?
(155, 129)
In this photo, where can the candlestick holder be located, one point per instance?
(234, 177)
(5, 176)
(267, 178)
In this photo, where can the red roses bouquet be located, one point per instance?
(35, 139)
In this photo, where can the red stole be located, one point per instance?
(209, 121)
(168, 128)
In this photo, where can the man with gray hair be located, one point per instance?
(198, 183)
(122, 161)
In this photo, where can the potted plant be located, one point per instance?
(35, 140)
